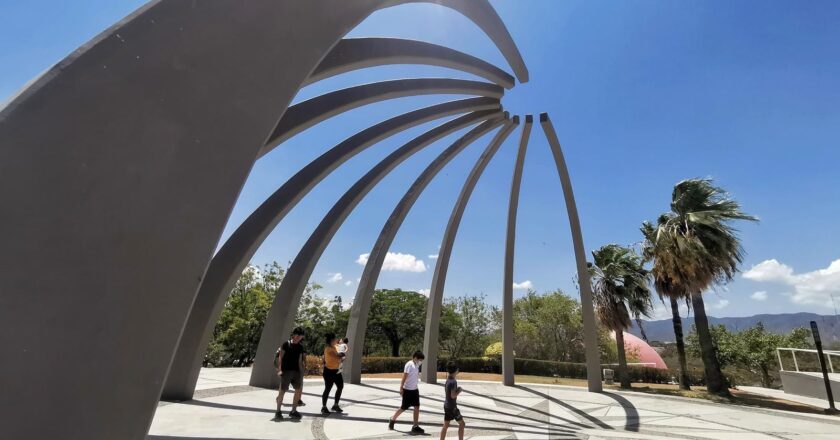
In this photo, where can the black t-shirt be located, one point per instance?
(291, 356)
(451, 385)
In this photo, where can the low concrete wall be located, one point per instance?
(809, 384)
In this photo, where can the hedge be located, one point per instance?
(533, 367)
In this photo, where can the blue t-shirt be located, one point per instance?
(451, 385)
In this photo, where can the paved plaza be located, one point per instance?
(225, 407)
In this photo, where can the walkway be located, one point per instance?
(226, 408)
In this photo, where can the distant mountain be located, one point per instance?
(663, 330)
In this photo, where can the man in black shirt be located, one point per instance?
(289, 363)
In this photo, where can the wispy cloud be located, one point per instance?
(424, 292)
(395, 261)
(761, 295)
(334, 277)
(527, 284)
(433, 257)
(815, 287)
(721, 304)
(348, 283)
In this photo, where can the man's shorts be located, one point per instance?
(410, 398)
(450, 414)
(291, 377)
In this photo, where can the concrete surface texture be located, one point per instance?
(226, 408)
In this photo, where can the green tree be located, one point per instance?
(620, 289)
(240, 325)
(549, 327)
(469, 323)
(699, 248)
(727, 344)
(757, 351)
(397, 315)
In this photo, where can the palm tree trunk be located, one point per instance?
(623, 377)
(685, 383)
(715, 382)
(641, 328)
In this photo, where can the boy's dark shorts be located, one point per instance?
(291, 377)
(410, 398)
(450, 414)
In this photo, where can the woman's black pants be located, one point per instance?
(332, 377)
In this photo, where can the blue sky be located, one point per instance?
(642, 94)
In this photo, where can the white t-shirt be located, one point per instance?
(413, 375)
(342, 348)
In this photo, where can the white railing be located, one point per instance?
(633, 364)
(828, 354)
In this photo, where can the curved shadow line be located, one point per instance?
(278, 323)
(304, 115)
(571, 408)
(632, 423)
(357, 326)
(359, 53)
(233, 256)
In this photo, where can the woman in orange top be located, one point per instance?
(332, 362)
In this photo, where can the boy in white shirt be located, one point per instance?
(410, 392)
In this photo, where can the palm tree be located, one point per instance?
(697, 248)
(665, 287)
(620, 293)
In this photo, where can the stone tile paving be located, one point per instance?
(491, 411)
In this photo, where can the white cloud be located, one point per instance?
(527, 284)
(433, 257)
(424, 292)
(334, 277)
(771, 271)
(348, 283)
(721, 304)
(761, 295)
(397, 262)
(815, 287)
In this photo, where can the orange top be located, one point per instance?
(331, 359)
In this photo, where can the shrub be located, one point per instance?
(533, 367)
(312, 365)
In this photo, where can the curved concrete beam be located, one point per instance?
(590, 334)
(134, 204)
(281, 316)
(234, 255)
(433, 307)
(510, 245)
(364, 293)
(486, 18)
(359, 53)
(301, 116)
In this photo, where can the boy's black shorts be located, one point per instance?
(450, 414)
(410, 398)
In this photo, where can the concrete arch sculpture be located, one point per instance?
(433, 307)
(510, 240)
(281, 316)
(359, 53)
(357, 326)
(313, 111)
(134, 205)
(590, 335)
(234, 255)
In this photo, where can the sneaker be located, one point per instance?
(300, 403)
(391, 424)
(417, 430)
(294, 414)
(337, 409)
(278, 415)
(325, 411)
